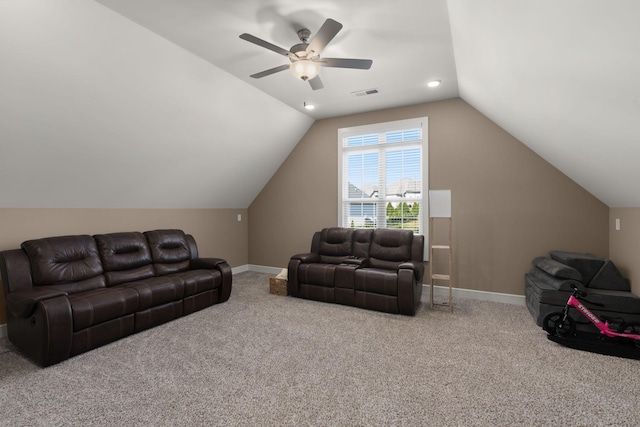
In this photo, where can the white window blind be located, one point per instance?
(382, 175)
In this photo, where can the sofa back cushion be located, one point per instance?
(126, 257)
(609, 278)
(588, 265)
(170, 251)
(390, 248)
(596, 272)
(72, 263)
(335, 244)
(417, 250)
(361, 242)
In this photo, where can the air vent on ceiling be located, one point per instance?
(365, 92)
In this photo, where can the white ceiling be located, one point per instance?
(149, 103)
(409, 42)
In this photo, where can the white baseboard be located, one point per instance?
(439, 291)
(3, 330)
(443, 292)
(265, 269)
(240, 269)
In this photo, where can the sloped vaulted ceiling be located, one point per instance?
(561, 76)
(148, 103)
(96, 111)
(564, 78)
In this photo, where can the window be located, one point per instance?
(383, 175)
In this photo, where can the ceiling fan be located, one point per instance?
(305, 56)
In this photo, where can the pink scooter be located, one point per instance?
(560, 325)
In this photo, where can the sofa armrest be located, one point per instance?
(557, 269)
(409, 291)
(216, 264)
(555, 283)
(292, 276)
(307, 258)
(206, 263)
(23, 303)
(46, 334)
(417, 267)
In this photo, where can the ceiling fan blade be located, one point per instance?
(316, 83)
(270, 71)
(265, 44)
(360, 64)
(325, 34)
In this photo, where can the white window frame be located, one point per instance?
(420, 122)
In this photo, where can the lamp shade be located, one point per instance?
(304, 69)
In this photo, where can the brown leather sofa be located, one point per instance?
(70, 294)
(376, 269)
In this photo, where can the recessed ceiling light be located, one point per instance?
(309, 106)
(434, 83)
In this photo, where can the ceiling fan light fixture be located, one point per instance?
(304, 69)
(305, 56)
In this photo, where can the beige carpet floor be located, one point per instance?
(266, 360)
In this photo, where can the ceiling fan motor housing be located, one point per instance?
(299, 50)
(304, 35)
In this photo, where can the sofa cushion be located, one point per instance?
(100, 305)
(609, 277)
(335, 244)
(198, 281)
(317, 274)
(125, 257)
(390, 248)
(617, 301)
(71, 260)
(588, 265)
(170, 251)
(557, 269)
(377, 281)
(156, 291)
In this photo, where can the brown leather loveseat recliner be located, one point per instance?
(70, 294)
(376, 269)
